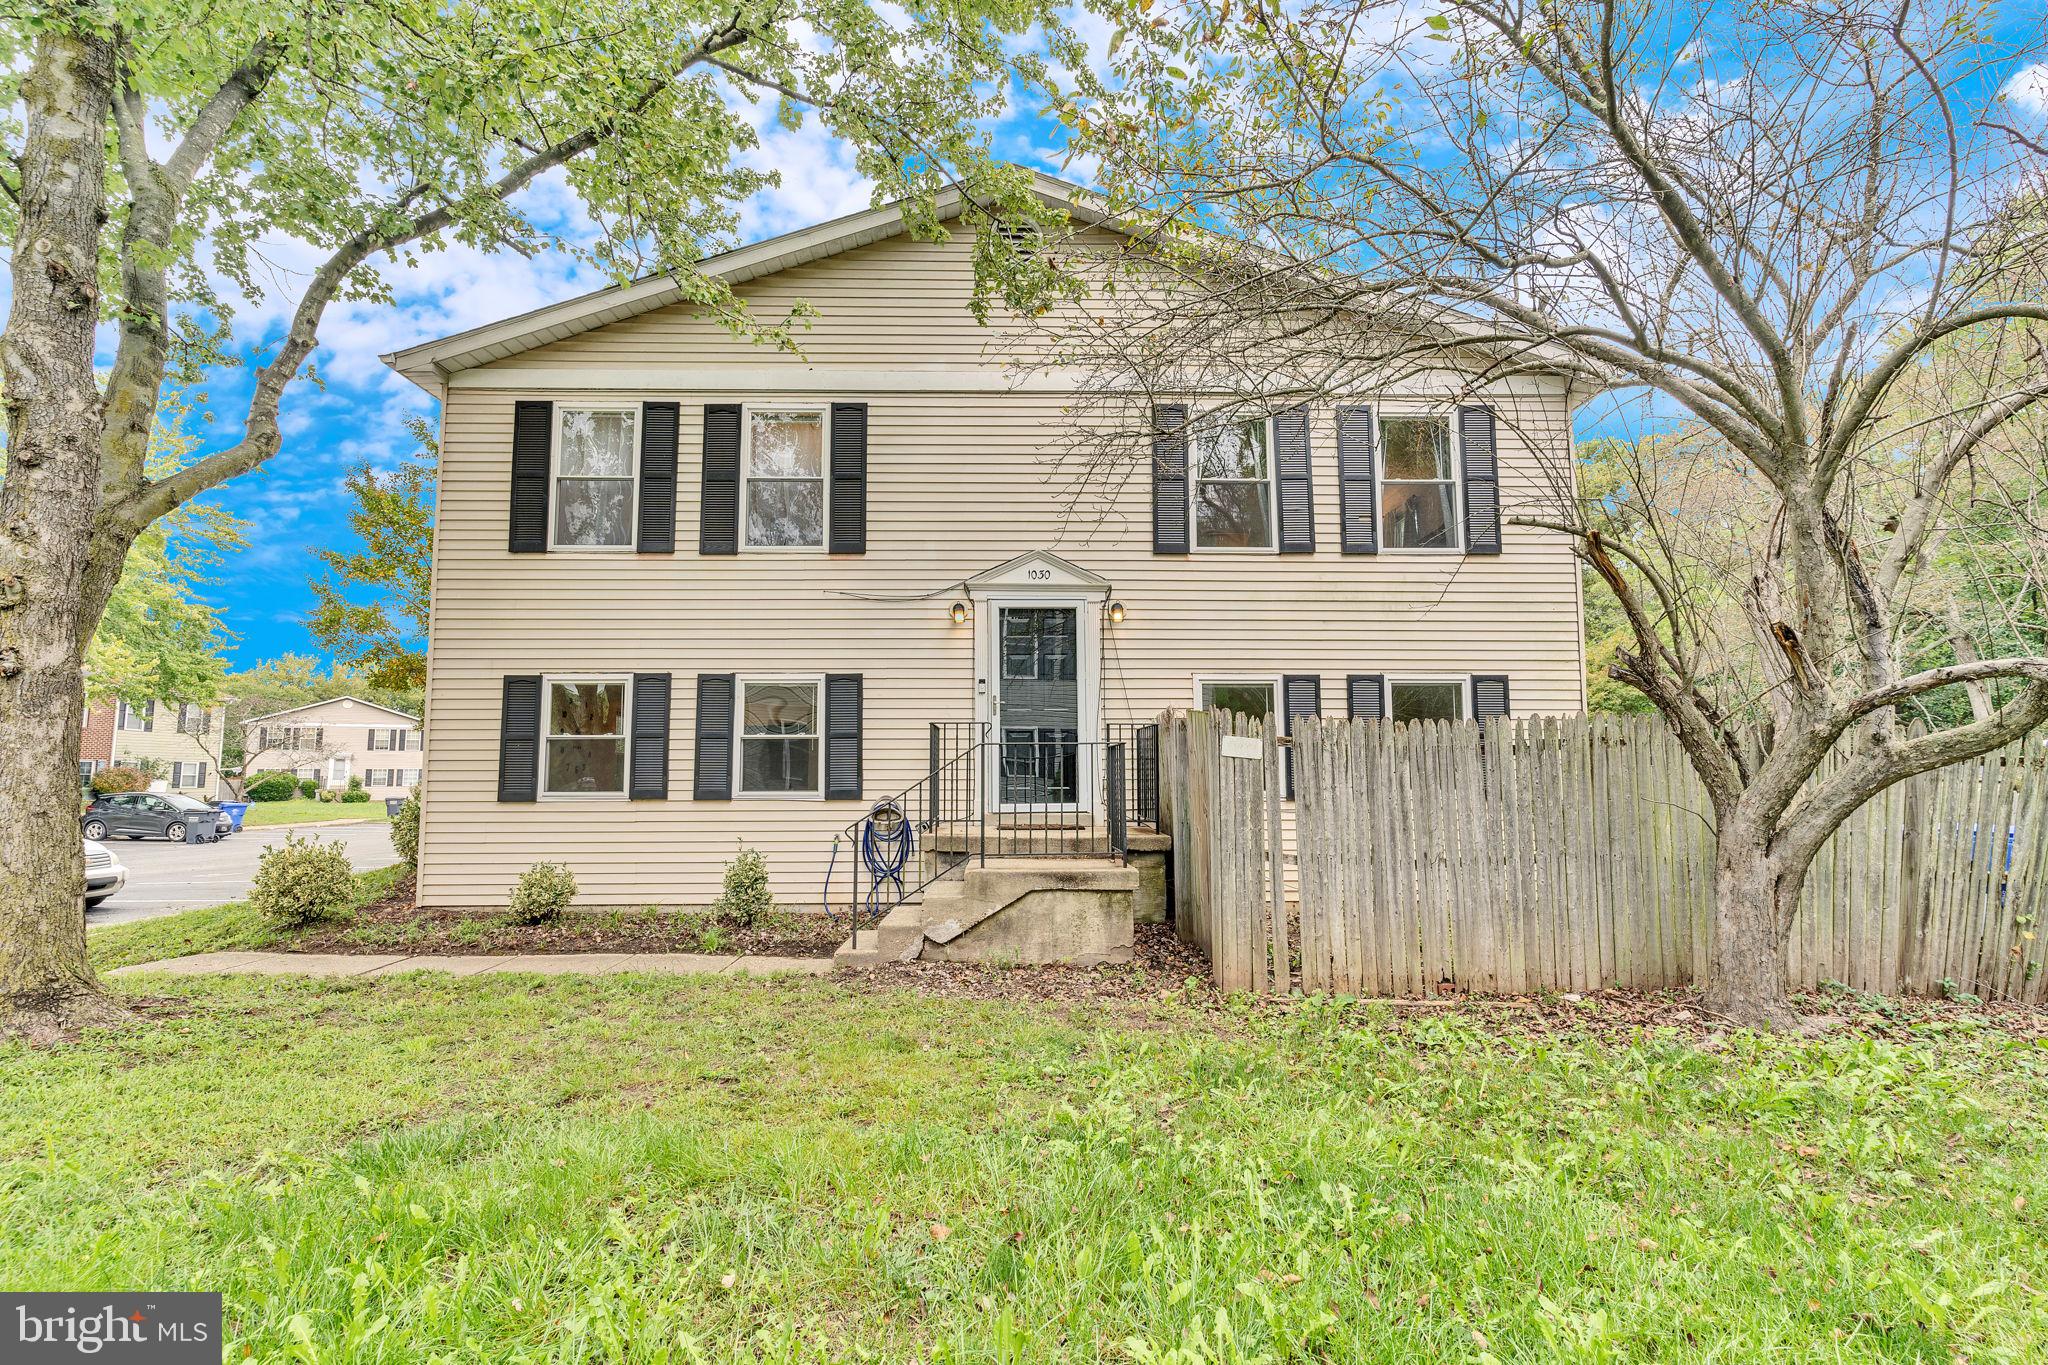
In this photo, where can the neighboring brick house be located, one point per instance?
(331, 741)
(184, 737)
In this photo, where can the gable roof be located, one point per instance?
(430, 363)
(329, 701)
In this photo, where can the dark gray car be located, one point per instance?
(148, 815)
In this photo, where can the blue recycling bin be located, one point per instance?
(235, 810)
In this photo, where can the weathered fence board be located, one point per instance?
(1570, 854)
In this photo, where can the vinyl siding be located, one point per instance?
(346, 725)
(962, 475)
(167, 745)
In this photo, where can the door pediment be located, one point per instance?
(1037, 571)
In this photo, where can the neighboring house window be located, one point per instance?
(86, 768)
(1253, 697)
(127, 717)
(377, 777)
(1426, 698)
(1418, 484)
(409, 777)
(1232, 486)
(191, 719)
(779, 737)
(596, 460)
(783, 478)
(585, 749)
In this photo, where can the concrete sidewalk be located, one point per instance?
(545, 964)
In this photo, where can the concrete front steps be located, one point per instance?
(1019, 911)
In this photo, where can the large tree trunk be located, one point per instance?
(48, 505)
(1755, 896)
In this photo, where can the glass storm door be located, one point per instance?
(1038, 719)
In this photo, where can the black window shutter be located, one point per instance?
(1297, 488)
(659, 425)
(842, 736)
(1357, 499)
(714, 737)
(1367, 695)
(149, 716)
(533, 430)
(1489, 696)
(1169, 479)
(647, 776)
(849, 533)
(1482, 481)
(519, 739)
(718, 525)
(1301, 694)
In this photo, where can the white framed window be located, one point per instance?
(780, 749)
(595, 466)
(583, 735)
(408, 777)
(1446, 698)
(87, 767)
(127, 717)
(1254, 695)
(1419, 493)
(785, 478)
(1230, 486)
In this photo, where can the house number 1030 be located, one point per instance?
(1039, 575)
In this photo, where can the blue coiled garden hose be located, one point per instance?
(884, 854)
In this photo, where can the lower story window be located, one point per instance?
(779, 736)
(1253, 697)
(585, 749)
(1426, 698)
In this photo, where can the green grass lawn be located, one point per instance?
(298, 812)
(640, 1169)
(217, 928)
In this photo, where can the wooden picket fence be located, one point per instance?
(1571, 854)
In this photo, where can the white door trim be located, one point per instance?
(1087, 609)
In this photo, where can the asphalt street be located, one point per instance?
(164, 877)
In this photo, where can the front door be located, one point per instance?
(1038, 707)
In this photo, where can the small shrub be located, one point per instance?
(271, 786)
(746, 898)
(303, 881)
(308, 788)
(405, 829)
(544, 891)
(109, 781)
(354, 793)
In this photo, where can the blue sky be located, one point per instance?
(359, 410)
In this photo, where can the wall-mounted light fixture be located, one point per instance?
(958, 611)
(1116, 613)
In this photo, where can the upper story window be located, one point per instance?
(1418, 484)
(779, 737)
(783, 479)
(584, 750)
(596, 462)
(127, 717)
(1232, 485)
(1426, 698)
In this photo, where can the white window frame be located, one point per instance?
(824, 412)
(1272, 481)
(739, 734)
(346, 764)
(547, 692)
(1380, 481)
(555, 476)
(1463, 681)
(1271, 680)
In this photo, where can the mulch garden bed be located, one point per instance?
(394, 924)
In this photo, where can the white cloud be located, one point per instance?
(2028, 88)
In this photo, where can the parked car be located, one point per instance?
(149, 815)
(104, 873)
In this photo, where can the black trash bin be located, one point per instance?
(392, 805)
(199, 827)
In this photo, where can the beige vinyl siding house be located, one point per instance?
(641, 669)
(183, 737)
(331, 741)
